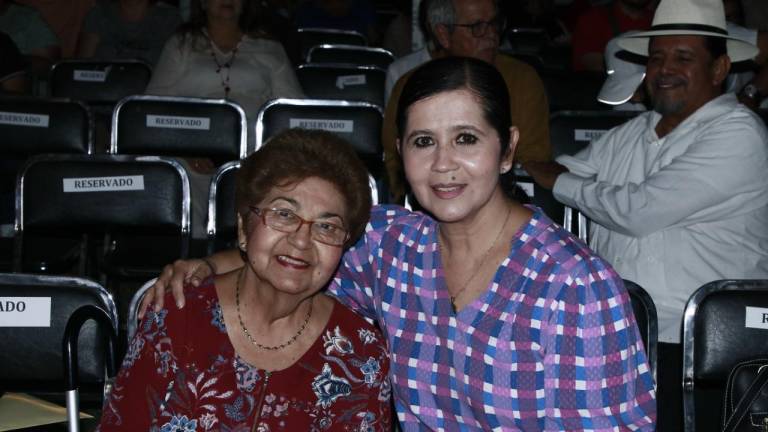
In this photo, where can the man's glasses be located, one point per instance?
(481, 28)
(286, 221)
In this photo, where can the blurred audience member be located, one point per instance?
(595, 27)
(65, 18)
(219, 54)
(430, 50)
(12, 78)
(34, 38)
(398, 34)
(356, 15)
(127, 29)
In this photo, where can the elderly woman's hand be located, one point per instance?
(175, 275)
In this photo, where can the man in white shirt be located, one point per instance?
(678, 195)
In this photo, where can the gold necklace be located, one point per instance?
(482, 260)
(248, 334)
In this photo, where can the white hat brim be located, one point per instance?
(738, 50)
(619, 88)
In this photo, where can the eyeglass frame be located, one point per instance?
(498, 22)
(261, 213)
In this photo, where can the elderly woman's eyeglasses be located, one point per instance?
(481, 28)
(286, 221)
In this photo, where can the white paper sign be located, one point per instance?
(588, 134)
(347, 126)
(348, 80)
(90, 75)
(101, 184)
(24, 119)
(179, 122)
(25, 311)
(756, 318)
(527, 187)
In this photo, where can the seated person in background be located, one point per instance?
(33, 37)
(355, 15)
(65, 18)
(599, 24)
(12, 78)
(472, 29)
(261, 348)
(127, 29)
(218, 54)
(678, 195)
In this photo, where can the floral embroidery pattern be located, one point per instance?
(336, 342)
(217, 317)
(367, 336)
(247, 376)
(328, 387)
(371, 370)
(179, 424)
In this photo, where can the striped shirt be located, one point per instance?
(552, 344)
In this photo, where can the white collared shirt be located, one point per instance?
(675, 213)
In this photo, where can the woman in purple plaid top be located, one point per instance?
(495, 317)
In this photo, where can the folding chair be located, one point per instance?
(309, 37)
(135, 208)
(572, 131)
(350, 54)
(343, 81)
(37, 314)
(176, 126)
(99, 82)
(647, 321)
(30, 126)
(357, 122)
(724, 323)
(222, 216)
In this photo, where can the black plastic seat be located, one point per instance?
(723, 325)
(350, 54)
(310, 37)
(127, 216)
(176, 126)
(36, 311)
(647, 321)
(343, 82)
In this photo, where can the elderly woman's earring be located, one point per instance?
(242, 246)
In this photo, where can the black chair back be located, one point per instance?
(126, 197)
(343, 81)
(310, 37)
(175, 126)
(99, 82)
(572, 131)
(357, 122)
(647, 321)
(34, 314)
(350, 54)
(222, 215)
(725, 322)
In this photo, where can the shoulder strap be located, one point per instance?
(752, 393)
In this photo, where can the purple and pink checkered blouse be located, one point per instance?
(551, 345)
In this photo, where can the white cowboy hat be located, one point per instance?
(624, 76)
(689, 17)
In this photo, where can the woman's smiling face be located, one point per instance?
(452, 156)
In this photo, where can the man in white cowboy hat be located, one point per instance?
(679, 195)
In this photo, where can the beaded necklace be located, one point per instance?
(226, 65)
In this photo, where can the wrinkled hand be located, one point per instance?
(544, 173)
(175, 275)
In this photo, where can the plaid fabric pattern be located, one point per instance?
(551, 345)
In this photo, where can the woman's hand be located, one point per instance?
(175, 275)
